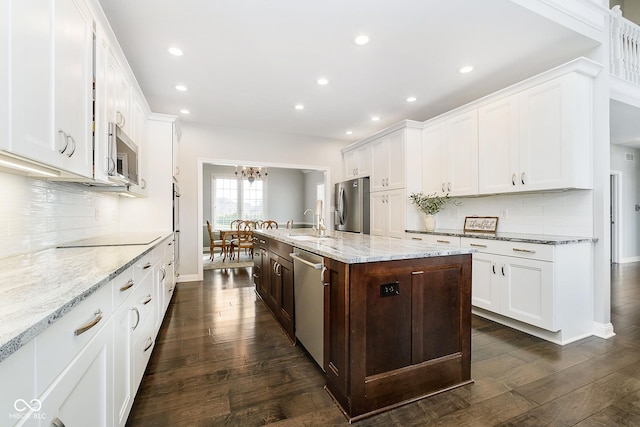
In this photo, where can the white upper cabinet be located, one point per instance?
(357, 162)
(138, 133)
(450, 156)
(555, 134)
(51, 94)
(538, 139)
(499, 148)
(74, 85)
(389, 164)
(103, 159)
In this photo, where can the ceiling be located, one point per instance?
(247, 63)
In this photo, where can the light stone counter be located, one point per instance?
(511, 237)
(36, 289)
(352, 248)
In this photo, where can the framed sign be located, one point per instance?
(481, 224)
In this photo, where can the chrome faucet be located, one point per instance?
(318, 221)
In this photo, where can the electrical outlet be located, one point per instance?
(504, 213)
(389, 289)
(97, 214)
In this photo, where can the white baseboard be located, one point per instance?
(629, 259)
(603, 330)
(188, 278)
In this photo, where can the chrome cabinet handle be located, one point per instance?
(150, 344)
(477, 245)
(442, 241)
(73, 150)
(66, 141)
(255, 275)
(133, 328)
(493, 268)
(147, 300)
(57, 423)
(513, 179)
(147, 265)
(442, 186)
(522, 178)
(324, 268)
(528, 251)
(143, 184)
(448, 186)
(127, 285)
(164, 274)
(84, 328)
(502, 269)
(111, 166)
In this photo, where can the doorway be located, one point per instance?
(614, 214)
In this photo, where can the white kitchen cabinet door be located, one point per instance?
(121, 99)
(527, 291)
(105, 78)
(357, 162)
(388, 155)
(450, 156)
(486, 280)
(17, 376)
(82, 394)
(388, 212)
(555, 134)
(498, 147)
(433, 146)
(74, 85)
(460, 177)
(175, 147)
(123, 323)
(31, 86)
(5, 18)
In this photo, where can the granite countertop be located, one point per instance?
(37, 289)
(353, 248)
(511, 237)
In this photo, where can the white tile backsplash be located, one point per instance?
(558, 213)
(37, 214)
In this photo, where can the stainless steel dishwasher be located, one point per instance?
(308, 295)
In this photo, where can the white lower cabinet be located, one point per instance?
(81, 395)
(537, 288)
(85, 369)
(388, 211)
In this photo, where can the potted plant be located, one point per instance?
(431, 204)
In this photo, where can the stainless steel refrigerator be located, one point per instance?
(352, 206)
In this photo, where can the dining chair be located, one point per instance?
(212, 242)
(290, 223)
(244, 240)
(269, 224)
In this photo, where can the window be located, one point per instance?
(235, 198)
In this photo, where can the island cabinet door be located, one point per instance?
(409, 323)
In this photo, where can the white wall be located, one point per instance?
(630, 197)
(558, 213)
(38, 214)
(202, 144)
(311, 181)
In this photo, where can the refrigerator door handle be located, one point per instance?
(341, 207)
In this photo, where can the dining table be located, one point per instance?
(227, 236)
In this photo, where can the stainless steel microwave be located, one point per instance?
(123, 156)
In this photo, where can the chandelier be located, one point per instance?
(251, 173)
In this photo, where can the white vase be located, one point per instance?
(430, 222)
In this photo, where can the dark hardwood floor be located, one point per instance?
(221, 359)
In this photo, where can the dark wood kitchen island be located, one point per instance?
(397, 324)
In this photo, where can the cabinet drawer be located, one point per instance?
(123, 286)
(143, 267)
(434, 239)
(281, 249)
(17, 377)
(62, 341)
(511, 249)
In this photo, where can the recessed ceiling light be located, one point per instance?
(466, 69)
(299, 107)
(175, 51)
(411, 99)
(349, 132)
(323, 81)
(181, 88)
(375, 118)
(185, 111)
(361, 40)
